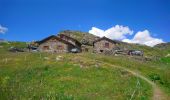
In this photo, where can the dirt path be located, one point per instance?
(157, 93)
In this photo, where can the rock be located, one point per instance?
(148, 58)
(81, 66)
(96, 65)
(59, 58)
(168, 55)
(46, 58)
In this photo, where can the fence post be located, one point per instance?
(25, 58)
(6, 60)
(40, 55)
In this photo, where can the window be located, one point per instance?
(61, 36)
(46, 48)
(60, 47)
(106, 45)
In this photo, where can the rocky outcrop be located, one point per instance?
(163, 45)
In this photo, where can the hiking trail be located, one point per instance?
(158, 94)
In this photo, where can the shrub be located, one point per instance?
(154, 77)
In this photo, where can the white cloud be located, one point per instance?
(118, 32)
(3, 30)
(145, 38)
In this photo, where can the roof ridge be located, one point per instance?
(115, 41)
(56, 37)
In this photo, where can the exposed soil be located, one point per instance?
(158, 94)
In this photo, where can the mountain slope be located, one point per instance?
(79, 76)
(87, 38)
(163, 46)
(82, 37)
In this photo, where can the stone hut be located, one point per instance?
(55, 44)
(71, 40)
(87, 48)
(104, 45)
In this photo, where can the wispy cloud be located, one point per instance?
(3, 30)
(120, 32)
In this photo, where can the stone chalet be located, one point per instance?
(104, 44)
(58, 44)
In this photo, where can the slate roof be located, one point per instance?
(105, 38)
(70, 38)
(53, 37)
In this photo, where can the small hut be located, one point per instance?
(55, 44)
(104, 45)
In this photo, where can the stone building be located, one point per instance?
(71, 40)
(104, 45)
(55, 44)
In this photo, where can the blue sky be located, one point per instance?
(28, 20)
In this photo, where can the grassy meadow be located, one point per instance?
(84, 76)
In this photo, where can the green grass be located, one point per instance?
(149, 69)
(165, 60)
(36, 78)
(83, 76)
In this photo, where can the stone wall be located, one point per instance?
(100, 46)
(54, 45)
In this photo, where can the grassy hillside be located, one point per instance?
(163, 46)
(6, 45)
(34, 77)
(160, 50)
(80, 36)
(78, 76)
